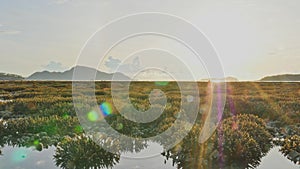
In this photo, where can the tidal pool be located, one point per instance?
(275, 160)
(29, 158)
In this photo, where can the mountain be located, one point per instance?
(231, 79)
(82, 73)
(6, 76)
(226, 79)
(284, 77)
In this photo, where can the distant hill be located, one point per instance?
(231, 79)
(83, 73)
(6, 76)
(226, 79)
(285, 77)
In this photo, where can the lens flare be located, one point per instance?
(232, 108)
(161, 83)
(220, 129)
(19, 155)
(36, 142)
(93, 116)
(190, 98)
(105, 109)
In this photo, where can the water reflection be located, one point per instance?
(241, 147)
(275, 160)
(82, 152)
(26, 158)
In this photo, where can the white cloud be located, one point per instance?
(54, 66)
(59, 2)
(9, 32)
(112, 63)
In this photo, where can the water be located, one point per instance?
(29, 158)
(26, 158)
(149, 158)
(275, 160)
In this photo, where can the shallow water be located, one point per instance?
(275, 160)
(26, 158)
(29, 158)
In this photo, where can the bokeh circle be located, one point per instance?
(92, 115)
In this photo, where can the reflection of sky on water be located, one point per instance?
(153, 150)
(28, 158)
(154, 160)
(150, 163)
(275, 160)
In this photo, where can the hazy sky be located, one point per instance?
(253, 38)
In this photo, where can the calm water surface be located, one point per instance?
(29, 158)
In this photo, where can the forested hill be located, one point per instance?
(7, 76)
(285, 77)
(82, 73)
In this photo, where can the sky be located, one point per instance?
(253, 38)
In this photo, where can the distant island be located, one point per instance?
(284, 77)
(7, 76)
(226, 79)
(82, 73)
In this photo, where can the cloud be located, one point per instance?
(112, 63)
(129, 67)
(59, 2)
(9, 32)
(54, 66)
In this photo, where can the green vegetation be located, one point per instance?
(41, 114)
(81, 152)
(285, 77)
(291, 148)
(246, 140)
(234, 145)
